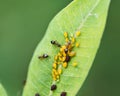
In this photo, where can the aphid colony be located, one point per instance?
(62, 58)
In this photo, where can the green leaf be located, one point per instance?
(88, 16)
(2, 91)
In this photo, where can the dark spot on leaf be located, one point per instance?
(37, 94)
(63, 94)
(53, 87)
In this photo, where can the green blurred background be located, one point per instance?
(23, 24)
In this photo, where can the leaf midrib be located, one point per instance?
(88, 14)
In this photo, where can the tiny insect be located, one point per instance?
(37, 94)
(55, 43)
(63, 94)
(66, 50)
(43, 56)
(67, 58)
(53, 87)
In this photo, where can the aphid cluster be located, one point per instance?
(65, 54)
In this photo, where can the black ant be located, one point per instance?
(55, 43)
(43, 56)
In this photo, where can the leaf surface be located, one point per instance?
(2, 91)
(88, 16)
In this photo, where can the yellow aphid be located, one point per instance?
(63, 58)
(67, 40)
(60, 71)
(78, 33)
(70, 46)
(71, 53)
(54, 79)
(77, 44)
(53, 70)
(53, 75)
(55, 65)
(73, 39)
(64, 54)
(74, 64)
(56, 57)
(59, 54)
(56, 73)
(58, 77)
(65, 64)
(62, 48)
(65, 34)
(60, 58)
